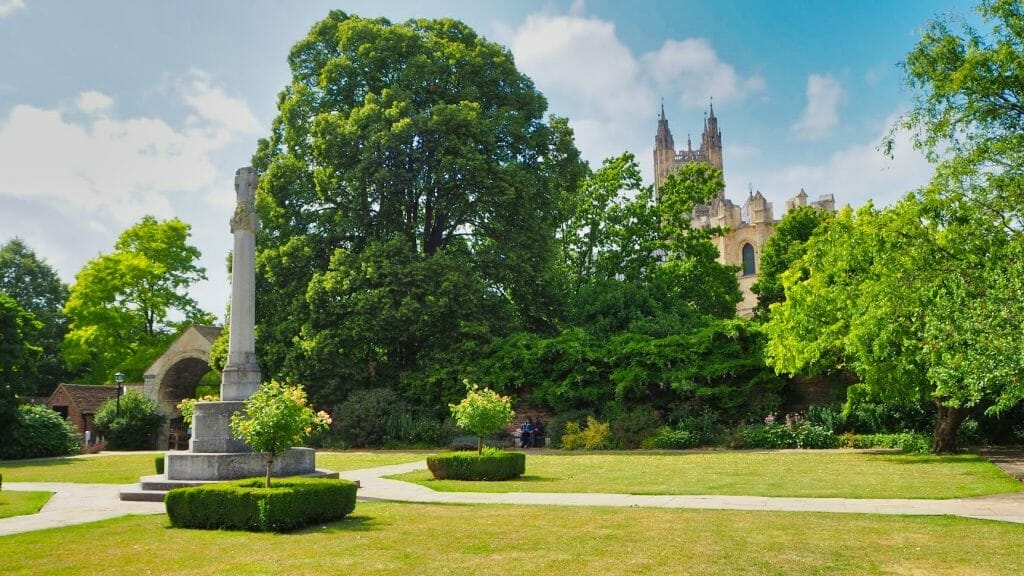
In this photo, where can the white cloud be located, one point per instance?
(8, 7)
(854, 174)
(590, 75)
(692, 69)
(214, 106)
(824, 96)
(92, 101)
(114, 170)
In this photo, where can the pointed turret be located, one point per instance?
(663, 139)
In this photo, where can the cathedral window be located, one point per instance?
(749, 268)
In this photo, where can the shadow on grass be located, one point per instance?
(351, 523)
(928, 458)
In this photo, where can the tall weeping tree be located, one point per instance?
(410, 173)
(126, 306)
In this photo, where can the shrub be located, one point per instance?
(482, 412)
(909, 442)
(39, 432)
(769, 436)
(830, 417)
(703, 427)
(130, 424)
(362, 420)
(556, 426)
(665, 438)
(594, 437)
(404, 429)
(159, 462)
(814, 436)
(249, 505)
(632, 427)
(490, 464)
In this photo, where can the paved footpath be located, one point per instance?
(81, 503)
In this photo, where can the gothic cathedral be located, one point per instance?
(748, 226)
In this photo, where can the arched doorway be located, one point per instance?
(175, 375)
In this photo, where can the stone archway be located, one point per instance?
(177, 372)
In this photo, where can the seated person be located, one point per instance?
(537, 434)
(526, 433)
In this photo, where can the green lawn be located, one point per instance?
(421, 539)
(341, 461)
(17, 503)
(798, 474)
(127, 468)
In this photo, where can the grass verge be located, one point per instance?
(17, 503)
(414, 539)
(810, 474)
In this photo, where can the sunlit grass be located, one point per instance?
(17, 503)
(419, 539)
(127, 468)
(810, 474)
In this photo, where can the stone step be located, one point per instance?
(153, 488)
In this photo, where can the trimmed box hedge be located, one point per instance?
(288, 504)
(491, 465)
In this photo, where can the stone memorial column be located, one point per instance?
(241, 375)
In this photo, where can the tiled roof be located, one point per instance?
(87, 398)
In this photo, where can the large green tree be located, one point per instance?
(420, 138)
(35, 286)
(786, 246)
(922, 301)
(18, 358)
(126, 306)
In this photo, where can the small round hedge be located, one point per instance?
(491, 465)
(288, 504)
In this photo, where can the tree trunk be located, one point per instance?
(270, 466)
(946, 426)
(479, 444)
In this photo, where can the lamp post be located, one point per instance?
(119, 378)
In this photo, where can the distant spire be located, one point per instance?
(663, 139)
(689, 143)
(712, 106)
(662, 117)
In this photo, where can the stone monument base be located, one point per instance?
(234, 465)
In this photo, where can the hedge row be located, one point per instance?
(247, 505)
(491, 465)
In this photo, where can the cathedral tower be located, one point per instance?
(667, 159)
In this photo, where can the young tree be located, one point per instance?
(276, 417)
(482, 412)
(421, 137)
(122, 304)
(35, 286)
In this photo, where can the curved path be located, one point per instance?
(81, 503)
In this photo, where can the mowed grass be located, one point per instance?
(421, 539)
(811, 474)
(17, 503)
(127, 468)
(97, 469)
(341, 461)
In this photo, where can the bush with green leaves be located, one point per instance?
(406, 430)
(666, 438)
(362, 419)
(814, 436)
(250, 505)
(909, 442)
(631, 427)
(158, 463)
(596, 436)
(482, 412)
(768, 436)
(276, 417)
(129, 424)
(488, 464)
(39, 432)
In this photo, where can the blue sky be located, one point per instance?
(110, 110)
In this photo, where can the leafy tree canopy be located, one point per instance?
(35, 286)
(126, 306)
(410, 169)
(18, 357)
(785, 247)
